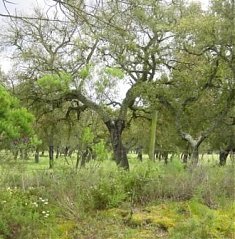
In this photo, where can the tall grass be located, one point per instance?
(103, 185)
(74, 194)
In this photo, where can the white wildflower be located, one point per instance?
(35, 204)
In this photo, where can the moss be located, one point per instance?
(116, 213)
(160, 216)
(64, 229)
(143, 234)
(204, 222)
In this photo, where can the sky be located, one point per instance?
(19, 6)
(26, 6)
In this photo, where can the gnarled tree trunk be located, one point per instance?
(116, 128)
(194, 144)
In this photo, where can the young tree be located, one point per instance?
(15, 121)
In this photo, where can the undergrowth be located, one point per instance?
(55, 203)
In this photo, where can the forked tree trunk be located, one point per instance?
(116, 128)
(194, 144)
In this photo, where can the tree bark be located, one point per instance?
(77, 160)
(195, 154)
(36, 156)
(51, 156)
(153, 136)
(57, 152)
(66, 151)
(116, 128)
(140, 153)
(16, 153)
(185, 156)
(194, 143)
(223, 157)
(165, 157)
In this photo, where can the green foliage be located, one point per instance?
(85, 71)
(115, 72)
(87, 136)
(55, 82)
(15, 121)
(22, 212)
(102, 85)
(100, 150)
(108, 193)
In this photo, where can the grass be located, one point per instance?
(100, 201)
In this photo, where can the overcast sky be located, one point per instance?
(26, 6)
(19, 6)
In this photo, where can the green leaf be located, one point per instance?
(115, 72)
(85, 71)
(55, 82)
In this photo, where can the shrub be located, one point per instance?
(22, 212)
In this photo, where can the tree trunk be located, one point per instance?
(70, 153)
(51, 156)
(195, 154)
(194, 143)
(36, 156)
(66, 150)
(140, 153)
(153, 136)
(16, 153)
(57, 152)
(77, 160)
(223, 157)
(185, 156)
(116, 128)
(21, 154)
(165, 157)
(25, 152)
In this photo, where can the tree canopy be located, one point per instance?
(167, 56)
(15, 121)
